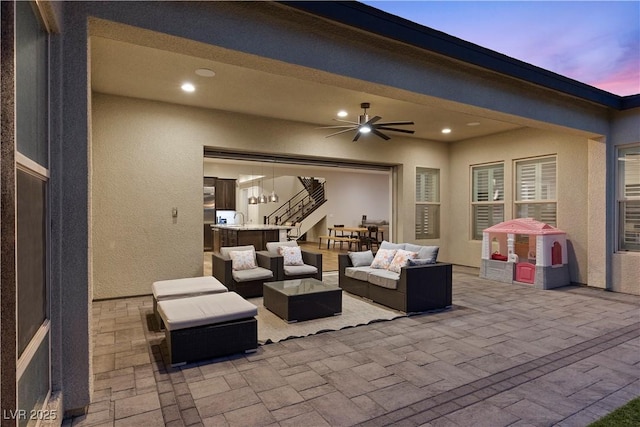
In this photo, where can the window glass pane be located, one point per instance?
(33, 385)
(543, 212)
(548, 180)
(536, 180)
(31, 256)
(31, 85)
(629, 167)
(427, 185)
(630, 225)
(629, 198)
(427, 221)
(488, 183)
(488, 187)
(484, 216)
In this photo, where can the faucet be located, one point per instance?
(236, 214)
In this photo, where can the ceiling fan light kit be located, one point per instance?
(366, 125)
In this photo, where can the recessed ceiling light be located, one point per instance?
(188, 87)
(205, 72)
(342, 113)
(446, 130)
(473, 124)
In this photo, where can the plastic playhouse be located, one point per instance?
(525, 251)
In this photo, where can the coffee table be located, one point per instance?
(302, 299)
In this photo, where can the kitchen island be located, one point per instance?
(250, 234)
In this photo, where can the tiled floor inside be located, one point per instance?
(503, 355)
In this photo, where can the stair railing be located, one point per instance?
(298, 207)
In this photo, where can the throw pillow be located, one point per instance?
(243, 260)
(429, 252)
(361, 259)
(291, 255)
(383, 258)
(400, 260)
(420, 261)
(424, 252)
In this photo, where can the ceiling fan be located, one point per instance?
(368, 125)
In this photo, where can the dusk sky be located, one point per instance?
(594, 42)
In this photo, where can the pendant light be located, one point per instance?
(273, 197)
(252, 199)
(262, 198)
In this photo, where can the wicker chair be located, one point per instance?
(312, 263)
(246, 283)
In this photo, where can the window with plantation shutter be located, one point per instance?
(487, 197)
(629, 198)
(536, 189)
(427, 203)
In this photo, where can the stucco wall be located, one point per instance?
(144, 165)
(597, 215)
(147, 159)
(572, 176)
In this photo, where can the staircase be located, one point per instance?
(302, 207)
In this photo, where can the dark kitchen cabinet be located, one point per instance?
(223, 237)
(225, 194)
(208, 237)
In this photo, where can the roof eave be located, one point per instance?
(384, 24)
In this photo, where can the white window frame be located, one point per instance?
(628, 198)
(537, 192)
(491, 200)
(427, 212)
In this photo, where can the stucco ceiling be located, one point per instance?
(128, 69)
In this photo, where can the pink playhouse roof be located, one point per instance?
(523, 226)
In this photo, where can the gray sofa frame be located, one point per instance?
(420, 288)
(222, 270)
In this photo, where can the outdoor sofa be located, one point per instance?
(425, 285)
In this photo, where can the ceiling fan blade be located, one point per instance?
(338, 127)
(346, 121)
(395, 130)
(372, 120)
(380, 134)
(342, 131)
(395, 123)
(356, 137)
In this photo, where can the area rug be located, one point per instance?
(355, 312)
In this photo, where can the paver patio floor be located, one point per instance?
(503, 355)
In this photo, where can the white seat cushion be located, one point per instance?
(298, 270)
(179, 288)
(384, 278)
(203, 310)
(251, 274)
(360, 273)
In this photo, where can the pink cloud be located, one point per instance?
(622, 82)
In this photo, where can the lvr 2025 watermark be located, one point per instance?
(34, 414)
